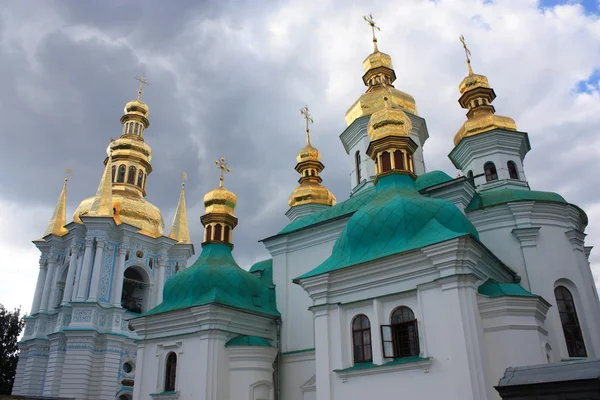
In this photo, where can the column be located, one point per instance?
(80, 250)
(118, 277)
(100, 244)
(54, 292)
(160, 277)
(85, 270)
(71, 273)
(39, 287)
(52, 259)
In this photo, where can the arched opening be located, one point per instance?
(386, 163)
(218, 232)
(226, 232)
(470, 174)
(570, 322)
(135, 128)
(131, 175)
(113, 170)
(126, 396)
(399, 159)
(512, 170)
(135, 291)
(208, 233)
(361, 339)
(490, 171)
(170, 372)
(401, 337)
(140, 178)
(121, 174)
(358, 171)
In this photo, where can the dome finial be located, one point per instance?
(467, 53)
(222, 165)
(57, 223)
(306, 113)
(179, 230)
(374, 27)
(143, 83)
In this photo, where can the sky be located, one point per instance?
(228, 78)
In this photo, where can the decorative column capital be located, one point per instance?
(43, 260)
(89, 241)
(53, 255)
(100, 243)
(123, 248)
(527, 236)
(587, 250)
(577, 239)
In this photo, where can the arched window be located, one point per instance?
(401, 337)
(135, 291)
(398, 159)
(208, 233)
(140, 178)
(114, 171)
(490, 171)
(386, 164)
(131, 175)
(570, 322)
(218, 231)
(361, 339)
(226, 234)
(135, 129)
(170, 372)
(121, 174)
(512, 170)
(470, 174)
(358, 171)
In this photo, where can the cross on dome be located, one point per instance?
(467, 53)
(143, 83)
(222, 165)
(374, 27)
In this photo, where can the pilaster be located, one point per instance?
(119, 274)
(97, 269)
(77, 277)
(39, 287)
(527, 238)
(322, 359)
(82, 287)
(71, 273)
(52, 260)
(56, 359)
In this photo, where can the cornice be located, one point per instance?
(527, 236)
(577, 239)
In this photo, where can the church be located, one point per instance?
(418, 285)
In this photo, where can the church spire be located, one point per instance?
(218, 219)
(477, 97)
(180, 231)
(310, 190)
(59, 217)
(102, 206)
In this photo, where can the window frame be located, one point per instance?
(358, 161)
(491, 174)
(513, 172)
(400, 336)
(575, 327)
(363, 347)
(170, 381)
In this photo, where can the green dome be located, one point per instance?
(396, 220)
(431, 179)
(215, 277)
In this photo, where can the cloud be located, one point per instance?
(228, 78)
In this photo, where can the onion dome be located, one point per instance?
(397, 219)
(129, 164)
(477, 97)
(309, 166)
(391, 147)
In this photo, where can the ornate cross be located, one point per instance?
(374, 27)
(222, 165)
(306, 113)
(467, 53)
(143, 83)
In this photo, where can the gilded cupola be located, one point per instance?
(477, 97)
(218, 218)
(128, 161)
(309, 166)
(391, 147)
(379, 78)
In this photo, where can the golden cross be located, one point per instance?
(68, 172)
(306, 113)
(467, 53)
(374, 27)
(183, 178)
(143, 83)
(222, 165)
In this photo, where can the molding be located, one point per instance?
(459, 191)
(577, 239)
(527, 236)
(587, 251)
(304, 209)
(392, 366)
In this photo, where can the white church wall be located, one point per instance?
(297, 369)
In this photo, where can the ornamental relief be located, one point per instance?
(82, 316)
(106, 274)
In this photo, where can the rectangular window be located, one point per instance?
(400, 340)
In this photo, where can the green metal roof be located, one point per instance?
(344, 208)
(215, 277)
(397, 219)
(265, 268)
(431, 179)
(502, 196)
(492, 288)
(248, 341)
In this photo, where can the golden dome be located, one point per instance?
(311, 193)
(389, 122)
(473, 81)
(220, 201)
(376, 60)
(137, 107)
(484, 123)
(134, 211)
(308, 153)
